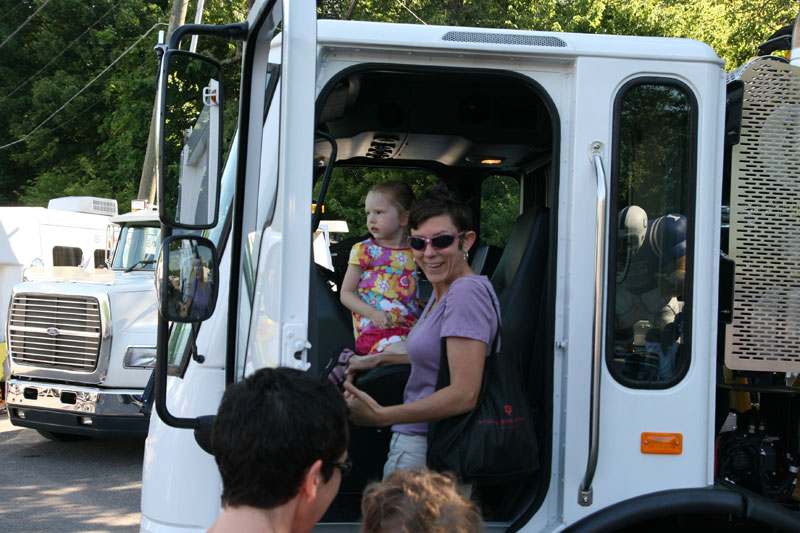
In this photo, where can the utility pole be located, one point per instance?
(198, 18)
(147, 183)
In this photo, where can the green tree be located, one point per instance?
(61, 134)
(77, 93)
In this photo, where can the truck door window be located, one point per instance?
(178, 351)
(100, 258)
(67, 256)
(137, 244)
(653, 176)
(500, 207)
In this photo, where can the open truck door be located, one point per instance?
(659, 137)
(236, 221)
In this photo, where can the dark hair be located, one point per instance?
(270, 428)
(438, 200)
(418, 502)
(397, 192)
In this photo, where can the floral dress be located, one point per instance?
(388, 282)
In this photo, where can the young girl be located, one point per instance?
(380, 286)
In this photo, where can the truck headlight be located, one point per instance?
(140, 357)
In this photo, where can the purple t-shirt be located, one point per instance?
(465, 311)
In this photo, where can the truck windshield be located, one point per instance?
(137, 248)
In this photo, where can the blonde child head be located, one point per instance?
(418, 502)
(387, 205)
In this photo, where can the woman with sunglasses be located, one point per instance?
(460, 311)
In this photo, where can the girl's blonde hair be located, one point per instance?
(397, 192)
(418, 502)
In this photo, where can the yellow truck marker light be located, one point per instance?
(662, 443)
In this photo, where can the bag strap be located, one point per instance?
(443, 377)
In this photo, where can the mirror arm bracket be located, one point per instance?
(195, 355)
(161, 382)
(234, 32)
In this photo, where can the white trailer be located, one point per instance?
(620, 324)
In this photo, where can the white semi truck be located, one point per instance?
(638, 340)
(70, 231)
(81, 342)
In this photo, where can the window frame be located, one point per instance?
(480, 214)
(60, 253)
(688, 289)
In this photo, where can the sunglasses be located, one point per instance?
(439, 242)
(345, 466)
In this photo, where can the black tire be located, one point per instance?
(60, 437)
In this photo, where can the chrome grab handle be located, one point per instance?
(585, 490)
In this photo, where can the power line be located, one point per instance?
(24, 23)
(51, 130)
(19, 5)
(21, 85)
(409, 10)
(74, 96)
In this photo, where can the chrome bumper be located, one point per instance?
(74, 399)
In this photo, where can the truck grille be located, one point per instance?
(55, 331)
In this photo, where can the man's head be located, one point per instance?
(278, 434)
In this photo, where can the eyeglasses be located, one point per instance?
(345, 466)
(439, 242)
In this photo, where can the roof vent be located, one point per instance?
(85, 204)
(503, 38)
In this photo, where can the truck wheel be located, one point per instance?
(60, 437)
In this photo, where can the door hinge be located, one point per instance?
(295, 346)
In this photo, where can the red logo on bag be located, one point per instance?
(508, 409)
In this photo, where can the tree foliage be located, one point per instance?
(77, 78)
(77, 93)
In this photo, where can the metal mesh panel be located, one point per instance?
(104, 206)
(765, 222)
(54, 331)
(503, 38)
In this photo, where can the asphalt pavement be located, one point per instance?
(87, 485)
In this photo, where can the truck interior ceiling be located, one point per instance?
(461, 127)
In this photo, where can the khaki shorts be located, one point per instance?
(406, 452)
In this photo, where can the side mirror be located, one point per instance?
(189, 140)
(186, 279)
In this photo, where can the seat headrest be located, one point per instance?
(518, 243)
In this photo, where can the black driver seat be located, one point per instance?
(519, 281)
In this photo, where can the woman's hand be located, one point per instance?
(362, 363)
(364, 410)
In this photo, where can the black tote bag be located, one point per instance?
(494, 443)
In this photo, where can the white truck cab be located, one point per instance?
(608, 279)
(70, 231)
(82, 341)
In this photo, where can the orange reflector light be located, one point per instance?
(662, 443)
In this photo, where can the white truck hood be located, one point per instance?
(103, 276)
